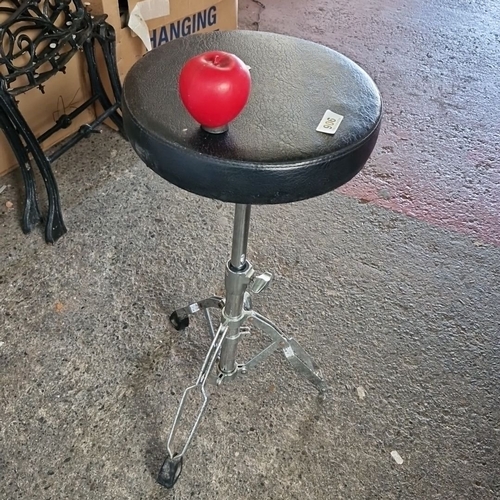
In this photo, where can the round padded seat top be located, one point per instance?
(272, 152)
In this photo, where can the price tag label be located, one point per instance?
(330, 122)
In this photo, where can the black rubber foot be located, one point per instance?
(179, 323)
(170, 471)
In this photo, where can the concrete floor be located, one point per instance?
(436, 64)
(389, 286)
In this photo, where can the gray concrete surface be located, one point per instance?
(91, 373)
(437, 66)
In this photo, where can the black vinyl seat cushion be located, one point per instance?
(272, 152)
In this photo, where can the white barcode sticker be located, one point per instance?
(330, 122)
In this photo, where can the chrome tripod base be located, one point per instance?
(237, 319)
(294, 353)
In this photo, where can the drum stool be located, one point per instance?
(272, 153)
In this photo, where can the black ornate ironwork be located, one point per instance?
(37, 40)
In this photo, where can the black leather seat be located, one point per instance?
(272, 152)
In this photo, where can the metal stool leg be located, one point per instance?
(180, 317)
(237, 318)
(294, 353)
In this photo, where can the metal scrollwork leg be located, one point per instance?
(97, 85)
(46, 36)
(31, 213)
(54, 225)
(106, 36)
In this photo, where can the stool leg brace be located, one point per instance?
(237, 311)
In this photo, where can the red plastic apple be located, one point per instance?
(214, 87)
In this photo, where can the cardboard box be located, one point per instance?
(184, 18)
(63, 94)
